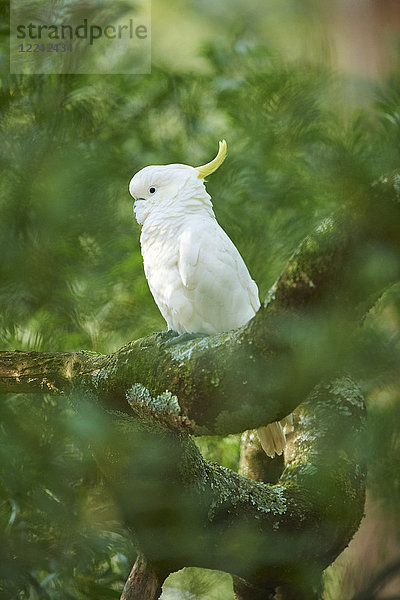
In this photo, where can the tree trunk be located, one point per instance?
(142, 583)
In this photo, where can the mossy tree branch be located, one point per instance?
(238, 380)
(202, 514)
(235, 381)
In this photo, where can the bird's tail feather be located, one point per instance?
(272, 437)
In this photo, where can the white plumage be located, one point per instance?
(195, 273)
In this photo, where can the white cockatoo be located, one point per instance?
(197, 277)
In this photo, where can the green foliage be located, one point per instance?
(61, 536)
(71, 273)
(224, 451)
(203, 584)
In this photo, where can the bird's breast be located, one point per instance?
(160, 259)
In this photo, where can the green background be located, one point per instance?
(305, 131)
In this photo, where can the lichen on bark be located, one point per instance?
(232, 382)
(289, 529)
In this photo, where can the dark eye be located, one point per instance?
(152, 190)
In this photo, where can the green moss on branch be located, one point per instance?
(267, 534)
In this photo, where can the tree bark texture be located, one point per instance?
(142, 583)
(232, 382)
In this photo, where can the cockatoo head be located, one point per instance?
(174, 188)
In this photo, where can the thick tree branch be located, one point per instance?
(238, 380)
(39, 372)
(290, 531)
(235, 381)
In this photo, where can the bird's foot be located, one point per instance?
(171, 338)
(164, 336)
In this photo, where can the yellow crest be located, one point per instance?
(212, 166)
